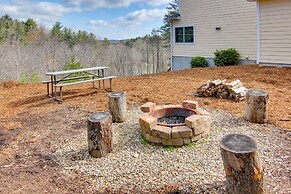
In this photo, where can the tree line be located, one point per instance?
(29, 50)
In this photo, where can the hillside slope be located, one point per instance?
(164, 88)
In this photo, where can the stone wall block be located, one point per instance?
(190, 104)
(173, 142)
(153, 139)
(148, 107)
(162, 132)
(181, 132)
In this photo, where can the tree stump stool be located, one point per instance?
(242, 165)
(117, 106)
(256, 106)
(99, 134)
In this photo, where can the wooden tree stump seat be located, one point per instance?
(117, 106)
(99, 134)
(242, 165)
(256, 106)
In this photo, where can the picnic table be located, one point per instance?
(59, 79)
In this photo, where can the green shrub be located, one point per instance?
(34, 78)
(74, 65)
(198, 62)
(226, 57)
(24, 78)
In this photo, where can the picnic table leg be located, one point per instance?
(103, 80)
(110, 80)
(52, 83)
(60, 100)
(99, 77)
(48, 89)
(54, 89)
(61, 94)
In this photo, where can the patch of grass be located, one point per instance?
(191, 144)
(194, 144)
(145, 142)
(169, 148)
(79, 79)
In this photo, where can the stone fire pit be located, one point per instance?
(174, 125)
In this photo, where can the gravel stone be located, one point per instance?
(197, 167)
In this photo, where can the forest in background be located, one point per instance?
(29, 50)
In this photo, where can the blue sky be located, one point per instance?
(113, 19)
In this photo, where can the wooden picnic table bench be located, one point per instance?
(68, 78)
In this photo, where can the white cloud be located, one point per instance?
(48, 12)
(155, 3)
(92, 4)
(134, 24)
(140, 16)
(98, 23)
(44, 12)
(134, 18)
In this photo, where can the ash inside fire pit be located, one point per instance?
(172, 120)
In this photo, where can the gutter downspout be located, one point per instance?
(259, 33)
(171, 46)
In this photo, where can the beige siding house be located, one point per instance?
(203, 26)
(274, 32)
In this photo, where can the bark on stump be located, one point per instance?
(256, 106)
(242, 165)
(117, 106)
(99, 134)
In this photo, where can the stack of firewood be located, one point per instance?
(221, 89)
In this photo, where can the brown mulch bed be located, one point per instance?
(164, 88)
(32, 127)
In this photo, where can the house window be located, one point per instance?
(184, 34)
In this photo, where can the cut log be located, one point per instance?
(242, 165)
(234, 84)
(239, 91)
(220, 89)
(201, 90)
(117, 106)
(99, 134)
(218, 82)
(256, 106)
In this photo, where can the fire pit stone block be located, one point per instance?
(187, 140)
(196, 137)
(200, 129)
(181, 132)
(191, 104)
(173, 142)
(148, 107)
(205, 133)
(195, 121)
(145, 130)
(153, 139)
(162, 132)
(148, 121)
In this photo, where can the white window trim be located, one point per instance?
(194, 34)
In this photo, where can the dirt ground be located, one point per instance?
(32, 125)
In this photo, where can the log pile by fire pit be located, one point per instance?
(221, 89)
